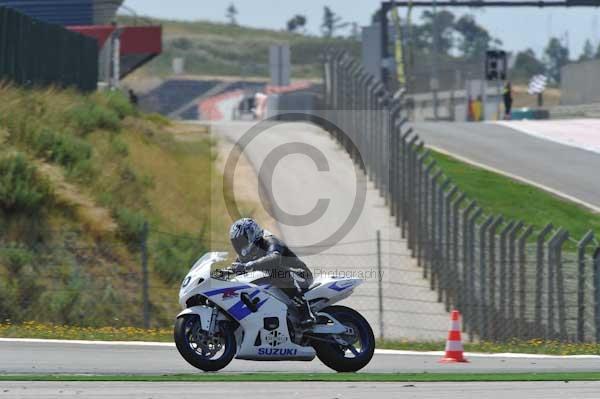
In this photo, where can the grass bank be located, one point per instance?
(500, 195)
(315, 377)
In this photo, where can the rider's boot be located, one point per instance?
(307, 318)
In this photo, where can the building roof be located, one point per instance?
(67, 12)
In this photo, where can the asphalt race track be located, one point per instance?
(564, 168)
(18, 357)
(301, 390)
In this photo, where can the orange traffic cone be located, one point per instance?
(454, 346)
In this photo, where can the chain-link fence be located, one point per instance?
(509, 280)
(35, 53)
(135, 281)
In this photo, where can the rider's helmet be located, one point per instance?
(244, 235)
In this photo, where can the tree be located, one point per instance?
(231, 13)
(597, 55)
(557, 56)
(588, 51)
(444, 23)
(331, 22)
(526, 66)
(474, 39)
(296, 22)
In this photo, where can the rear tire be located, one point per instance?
(184, 340)
(334, 355)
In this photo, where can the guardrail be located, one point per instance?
(508, 279)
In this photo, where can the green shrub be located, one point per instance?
(15, 257)
(158, 119)
(119, 147)
(21, 189)
(119, 103)
(90, 116)
(9, 309)
(22, 287)
(131, 224)
(173, 256)
(63, 149)
(64, 306)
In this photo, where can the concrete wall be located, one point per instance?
(580, 83)
(453, 105)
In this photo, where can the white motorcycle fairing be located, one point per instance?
(259, 309)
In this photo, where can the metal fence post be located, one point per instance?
(503, 277)
(493, 311)
(144, 255)
(560, 287)
(422, 170)
(581, 248)
(410, 203)
(380, 285)
(483, 321)
(424, 217)
(522, 281)
(539, 277)
(433, 231)
(455, 247)
(439, 253)
(550, 330)
(512, 275)
(447, 249)
(404, 183)
(470, 314)
(597, 293)
(465, 259)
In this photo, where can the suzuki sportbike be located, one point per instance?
(228, 316)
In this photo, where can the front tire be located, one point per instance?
(347, 358)
(198, 349)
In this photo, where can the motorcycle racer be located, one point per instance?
(260, 250)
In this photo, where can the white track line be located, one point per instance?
(377, 351)
(85, 342)
(550, 190)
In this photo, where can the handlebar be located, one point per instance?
(224, 273)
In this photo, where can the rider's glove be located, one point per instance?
(238, 267)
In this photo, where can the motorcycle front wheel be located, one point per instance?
(359, 346)
(208, 353)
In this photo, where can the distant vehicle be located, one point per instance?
(226, 315)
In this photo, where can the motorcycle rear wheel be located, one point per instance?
(201, 351)
(347, 358)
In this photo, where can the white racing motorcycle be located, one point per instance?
(225, 316)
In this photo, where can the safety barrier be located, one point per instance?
(35, 53)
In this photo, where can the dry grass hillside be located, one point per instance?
(79, 176)
(218, 49)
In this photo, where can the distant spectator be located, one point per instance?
(470, 111)
(133, 98)
(508, 99)
(480, 106)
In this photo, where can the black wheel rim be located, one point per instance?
(356, 344)
(202, 344)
